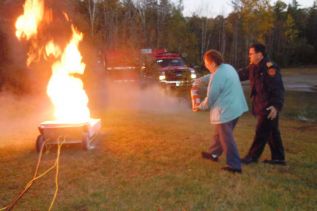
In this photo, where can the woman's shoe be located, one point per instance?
(209, 156)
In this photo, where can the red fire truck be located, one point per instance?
(172, 70)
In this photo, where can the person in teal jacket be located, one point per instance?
(226, 101)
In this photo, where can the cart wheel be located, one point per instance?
(39, 143)
(86, 142)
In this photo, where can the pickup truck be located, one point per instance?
(173, 70)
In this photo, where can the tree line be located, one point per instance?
(288, 31)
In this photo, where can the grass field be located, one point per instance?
(147, 157)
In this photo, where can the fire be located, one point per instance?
(65, 88)
(27, 24)
(52, 49)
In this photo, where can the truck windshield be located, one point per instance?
(170, 62)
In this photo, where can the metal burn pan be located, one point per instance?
(54, 132)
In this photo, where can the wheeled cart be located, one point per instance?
(54, 132)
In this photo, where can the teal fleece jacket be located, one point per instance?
(225, 97)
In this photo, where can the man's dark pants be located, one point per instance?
(224, 141)
(267, 131)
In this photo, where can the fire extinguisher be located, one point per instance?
(194, 92)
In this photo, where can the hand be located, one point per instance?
(273, 112)
(196, 108)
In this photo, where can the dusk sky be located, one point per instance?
(212, 8)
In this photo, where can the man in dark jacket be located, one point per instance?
(267, 94)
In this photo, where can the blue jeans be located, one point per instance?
(223, 141)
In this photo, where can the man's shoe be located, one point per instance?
(275, 162)
(248, 160)
(232, 170)
(209, 156)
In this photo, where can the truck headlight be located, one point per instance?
(162, 77)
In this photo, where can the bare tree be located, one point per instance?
(141, 9)
(110, 22)
(92, 14)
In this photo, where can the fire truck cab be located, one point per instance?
(172, 69)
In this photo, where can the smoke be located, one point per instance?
(134, 96)
(21, 115)
(20, 118)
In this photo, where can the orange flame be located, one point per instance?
(27, 24)
(64, 88)
(52, 49)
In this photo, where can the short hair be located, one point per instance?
(215, 56)
(259, 48)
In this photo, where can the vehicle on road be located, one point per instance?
(170, 69)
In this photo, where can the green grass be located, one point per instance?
(150, 160)
(302, 106)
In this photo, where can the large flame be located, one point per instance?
(27, 24)
(65, 88)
